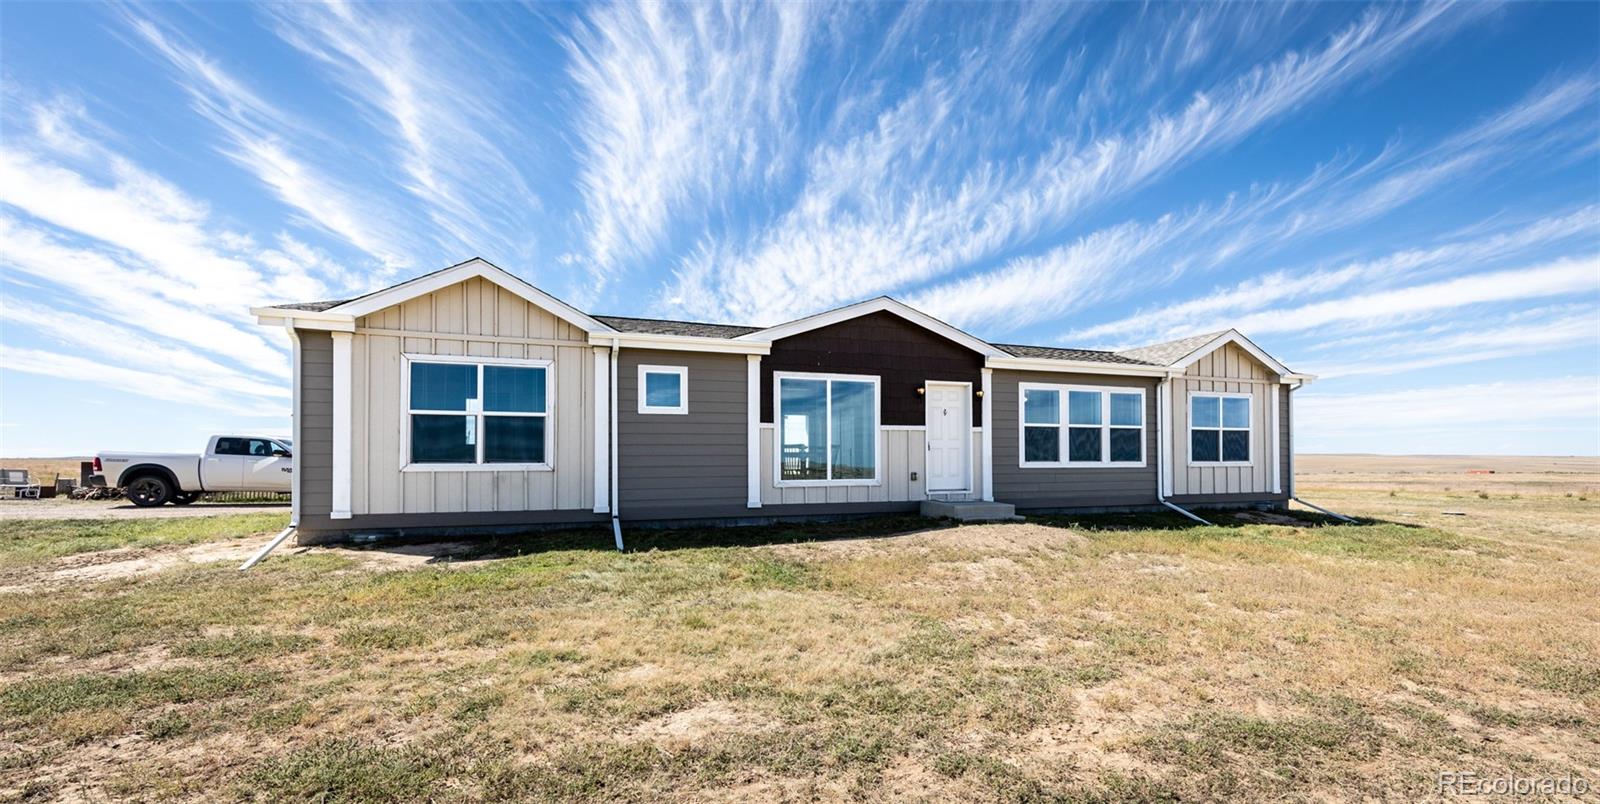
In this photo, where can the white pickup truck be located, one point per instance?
(230, 463)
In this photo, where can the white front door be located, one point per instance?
(949, 436)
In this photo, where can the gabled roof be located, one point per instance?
(1152, 360)
(882, 304)
(443, 278)
(1182, 353)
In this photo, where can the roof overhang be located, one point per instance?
(882, 304)
(303, 319)
(679, 343)
(1073, 366)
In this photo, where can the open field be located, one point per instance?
(1493, 474)
(1111, 658)
(42, 469)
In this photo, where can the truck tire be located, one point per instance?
(185, 497)
(148, 490)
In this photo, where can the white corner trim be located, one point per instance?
(1273, 440)
(752, 412)
(680, 409)
(988, 435)
(602, 430)
(1164, 440)
(296, 416)
(882, 304)
(1293, 422)
(342, 411)
(614, 438)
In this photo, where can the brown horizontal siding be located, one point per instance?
(902, 354)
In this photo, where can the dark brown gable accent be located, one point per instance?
(903, 354)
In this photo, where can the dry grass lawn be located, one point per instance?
(1110, 658)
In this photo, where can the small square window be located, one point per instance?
(663, 389)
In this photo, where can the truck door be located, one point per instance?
(270, 466)
(223, 468)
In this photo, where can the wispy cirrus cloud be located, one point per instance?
(1222, 307)
(1145, 255)
(1560, 277)
(680, 103)
(1471, 342)
(128, 346)
(259, 136)
(873, 215)
(452, 136)
(156, 385)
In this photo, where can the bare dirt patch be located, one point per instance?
(692, 727)
(65, 508)
(1007, 538)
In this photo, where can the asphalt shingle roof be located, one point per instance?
(312, 307)
(663, 326)
(1080, 355)
(1169, 352)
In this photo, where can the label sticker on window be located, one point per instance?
(472, 431)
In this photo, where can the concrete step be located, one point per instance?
(970, 510)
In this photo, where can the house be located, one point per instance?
(467, 398)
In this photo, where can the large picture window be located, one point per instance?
(827, 429)
(465, 413)
(1219, 428)
(1071, 425)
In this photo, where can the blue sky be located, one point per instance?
(1404, 200)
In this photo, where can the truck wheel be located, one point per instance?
(185, 497)
(148, 491)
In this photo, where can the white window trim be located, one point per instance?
(477, 410)
(683, 390)
(777, 437)
(1105, 426)
(1251, 428)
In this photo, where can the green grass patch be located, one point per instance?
(346, 770)
(39, 699)
(244, 645)
(30, 541)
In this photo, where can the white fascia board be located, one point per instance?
(475, 267)
(882, 304)
(1237, 338)
(297, 322)
(1072, 366)
(680, 343)
(302, 319)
